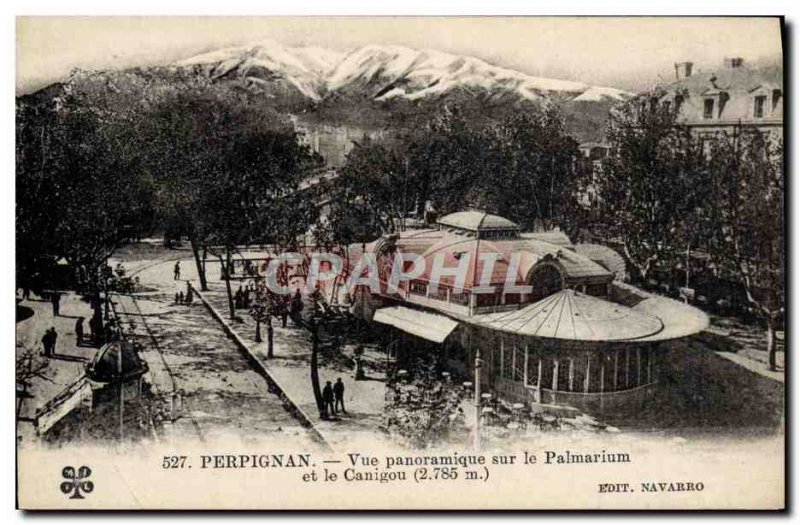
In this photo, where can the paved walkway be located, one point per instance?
(364, 400)
(223, 398)
(62, 370)
(745, 345)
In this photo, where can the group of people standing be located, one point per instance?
(333, 398)
(244, 296)
(49, 340)
(187, 298)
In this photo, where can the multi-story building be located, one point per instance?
(725, 98)
(332, 143)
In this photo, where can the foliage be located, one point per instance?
(81, 191)
(30, 366)
(119, 281)
(519, 165)
(226, 168)
(652, 184)
(425, 411)
(747, 207)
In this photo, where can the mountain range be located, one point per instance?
(387, 72)
(374, 88)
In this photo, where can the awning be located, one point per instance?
(432, 327)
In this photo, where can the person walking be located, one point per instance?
(55, 299)
(53, 340)
(327, 399)
(46, 343)
(296, 307)
(338, 394)
(237, 299)
(189, 293)
(79, 331)
(177, 273)
(93, 330)
(246, 297)
(284, 310)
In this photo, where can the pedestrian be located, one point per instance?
(55, 298)
(177, 298)
(338, 393)
(327, 399)
(177, 274)
(93, 329)
(237, 298)
(53, 341)
(296, 307)
(79, 331)
(46, 343)
(49, 341)
(284, 310)
(180, 297)
(26, 292)
(189, 293)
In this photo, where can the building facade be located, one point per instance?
(574, 336)
(728, 97)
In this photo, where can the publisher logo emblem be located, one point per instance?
(77, 482)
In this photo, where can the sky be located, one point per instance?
(627, 53)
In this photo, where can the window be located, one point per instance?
(708, 108)
(758, 108)
(678, 102)
(776, 97)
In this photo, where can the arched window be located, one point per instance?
(546, 280)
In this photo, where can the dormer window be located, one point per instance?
(776, 97)
(708, 108)
(759, 104)
(678, 102)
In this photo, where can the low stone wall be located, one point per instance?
(274, 386)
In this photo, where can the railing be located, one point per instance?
(610, 402)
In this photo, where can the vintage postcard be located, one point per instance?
(400, 263)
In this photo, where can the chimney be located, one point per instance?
(683, 70)
(733, 62)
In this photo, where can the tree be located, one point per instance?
(82, 192)
(519, 165)
(370, 193)
(29, 366)
(747, 206)
(531, 176)
(228, 171)
(651, 184)
(263, 308)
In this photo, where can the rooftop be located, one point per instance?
(477, 221)
(574, 316)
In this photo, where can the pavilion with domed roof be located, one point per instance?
(551, 326)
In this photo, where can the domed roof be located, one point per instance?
(104, 368)
(574, 316)
(477, 221)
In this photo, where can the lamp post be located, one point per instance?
(478, 365)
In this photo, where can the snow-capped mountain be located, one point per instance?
(599, 94)
(304, 68)
(386, 72)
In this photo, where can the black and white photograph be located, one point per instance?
(400, 263)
